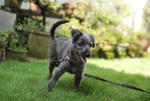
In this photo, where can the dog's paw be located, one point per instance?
(49, 76)
(49, 89)
(75, 89)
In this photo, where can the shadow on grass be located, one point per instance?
(90, 85)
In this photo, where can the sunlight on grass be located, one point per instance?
(127, 65)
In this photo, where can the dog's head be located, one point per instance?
(82, 44)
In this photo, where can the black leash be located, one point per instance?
(115, 83)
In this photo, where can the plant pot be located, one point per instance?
(17, 55)
(2, 55)
(38, 44)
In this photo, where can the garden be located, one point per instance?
(121, 54)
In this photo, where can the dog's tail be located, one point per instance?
(52, 31)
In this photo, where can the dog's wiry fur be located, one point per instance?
(77, 49)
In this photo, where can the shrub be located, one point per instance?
(10, 39)
(14, 42)
(4, 37)
(29, 24)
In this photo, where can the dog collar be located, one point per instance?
(65, 59)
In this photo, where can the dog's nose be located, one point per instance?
(88, 54)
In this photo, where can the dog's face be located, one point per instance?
(82, 44)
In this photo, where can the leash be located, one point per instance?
(104, 80)
(115, 83)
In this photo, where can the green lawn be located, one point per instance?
(26, 81)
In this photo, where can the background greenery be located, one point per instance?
(113, 38)
(10, 39)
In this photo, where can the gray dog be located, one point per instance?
(69, 54)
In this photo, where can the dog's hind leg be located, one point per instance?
(51, 68)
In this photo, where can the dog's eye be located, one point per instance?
(91, 44)
(80, 43)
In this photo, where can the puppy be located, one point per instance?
(68, 54)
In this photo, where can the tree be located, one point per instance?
(43, 5)
(147, 17)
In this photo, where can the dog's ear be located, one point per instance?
(75, 34)
(93, 40)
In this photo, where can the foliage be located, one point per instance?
(147, 16)
(46, 2)
(134, 50)
(103, 24)
(106, 26)
(30, 24)
(13, 40)
(107, 22)
(17, 3)
(101, 21)
(76, 10)
(66, 28)
(4, 36)
(13, 4)
(10, 39)
(14, 43)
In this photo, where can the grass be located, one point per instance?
(26, 81)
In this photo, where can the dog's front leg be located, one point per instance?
(78, 78)
(51, 68)
(55, 78)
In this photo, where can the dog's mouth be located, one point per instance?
(83, 59)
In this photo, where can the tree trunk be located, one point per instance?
(44, 17)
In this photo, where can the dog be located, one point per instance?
(68, 54)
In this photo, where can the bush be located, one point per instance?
(14, 42)
(4, 37)
(10, 39)
(135, 50)
(29, 24)
(111, 50)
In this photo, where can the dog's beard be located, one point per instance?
(83, 59)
